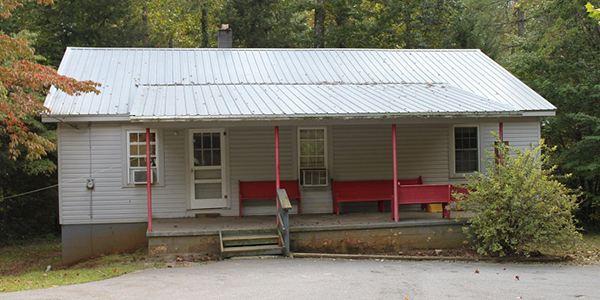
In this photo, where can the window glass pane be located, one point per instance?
(303, 134)
(142, 137)
(216, 157)
(303, 162)
(152, 137)
(133, 137)
(320, 148)
(304, 148)
(216, 140)
(133, 150)
(153, 149)
(206, 141)
(133, 162)
(197, 157)
(206, 158)
(197, 141)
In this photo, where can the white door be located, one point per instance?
(208, 168)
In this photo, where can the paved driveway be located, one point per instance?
(339, 279)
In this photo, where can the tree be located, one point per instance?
(267, 23)
(187, 23)
(520, 209)
(78, 23)
(559, 58)
(24, 141)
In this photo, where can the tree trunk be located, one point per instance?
(319, 24)
(146, 34)
(204, 28)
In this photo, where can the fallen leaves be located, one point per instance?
(476, 271)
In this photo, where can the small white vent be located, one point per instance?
(139, 177)
(314, 177)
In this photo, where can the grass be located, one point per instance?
(588, 250)
(22, 267)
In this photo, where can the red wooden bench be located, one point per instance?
(261, 190)
(362, 191)
(426, 194)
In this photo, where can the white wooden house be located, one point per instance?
(212, 114)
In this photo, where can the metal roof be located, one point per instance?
(173, 83)
(183, 102)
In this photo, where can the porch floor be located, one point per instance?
(316, 222)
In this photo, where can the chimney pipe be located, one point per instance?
(224, 38)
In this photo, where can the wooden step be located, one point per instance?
(247, 240)
(252, 250)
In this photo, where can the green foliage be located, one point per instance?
(559, 59)
(520, 209)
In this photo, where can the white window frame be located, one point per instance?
(130, 169)
(453, 173)
(326, 155)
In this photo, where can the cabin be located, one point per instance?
(358, 140)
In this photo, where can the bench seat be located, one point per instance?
(366, 190)
(265, 190)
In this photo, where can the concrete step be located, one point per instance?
(249, 240)
(249, 232)
(252, 250)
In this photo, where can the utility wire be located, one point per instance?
(55, 185)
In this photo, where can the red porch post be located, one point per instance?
(395, 202)
(148, 180)
(277, 184)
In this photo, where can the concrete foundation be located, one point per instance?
(378, 240)
(350, 234)
(81, 242)
(202, 245)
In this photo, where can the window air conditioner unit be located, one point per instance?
(140, 177)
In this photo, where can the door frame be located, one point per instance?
(224, 169)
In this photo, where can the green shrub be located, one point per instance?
(520, 209)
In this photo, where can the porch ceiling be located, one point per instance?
(323, 100)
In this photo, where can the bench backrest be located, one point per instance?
(429, 193)
(369, 188)
(266, 189)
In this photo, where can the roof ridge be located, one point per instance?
(272, 49)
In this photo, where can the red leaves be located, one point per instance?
(23, 86)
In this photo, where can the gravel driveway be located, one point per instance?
(339, 279)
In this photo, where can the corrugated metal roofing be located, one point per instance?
(289, 101)
(285, 75)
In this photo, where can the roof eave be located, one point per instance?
(490, 114)
(85, 118)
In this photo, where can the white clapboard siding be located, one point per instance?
(110, 202)
(252, 158)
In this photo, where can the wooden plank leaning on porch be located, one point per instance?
(265, 190)
(366, 190)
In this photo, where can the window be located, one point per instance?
(136, 153)
(312, 156)
(466, 150)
